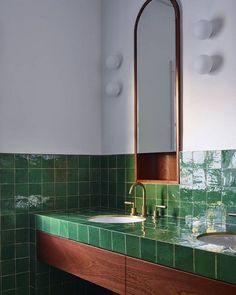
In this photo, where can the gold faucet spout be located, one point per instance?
(144, 207)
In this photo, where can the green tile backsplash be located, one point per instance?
(45, 183)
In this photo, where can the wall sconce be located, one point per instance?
(203, 64)
(113, 89)
(203, 29)
(113, 62)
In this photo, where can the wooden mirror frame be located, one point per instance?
(160, 167)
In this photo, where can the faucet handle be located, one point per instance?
(232, 214)
(133, 209)
(156, 212)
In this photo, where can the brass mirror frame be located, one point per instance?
(178, 84)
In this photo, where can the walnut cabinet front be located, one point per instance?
(122, 274)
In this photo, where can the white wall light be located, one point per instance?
(113, 62)
(203, 64)
(203, 29)
(113, 89)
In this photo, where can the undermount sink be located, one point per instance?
(116, 219)
(227, 239)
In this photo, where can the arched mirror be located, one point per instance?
(157, 92)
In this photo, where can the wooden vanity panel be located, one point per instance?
(98, 266)
(144, 278)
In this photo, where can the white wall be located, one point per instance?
(209, 102)
(50, 76)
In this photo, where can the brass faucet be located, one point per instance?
(144, 207)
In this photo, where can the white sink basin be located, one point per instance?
(116, 219)
(226, 239)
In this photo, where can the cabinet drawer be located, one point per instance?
(98, 266)
(144, 278)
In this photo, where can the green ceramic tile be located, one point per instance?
(7, 206)
(148, 250)
(6, 176)
(8, 282)
(72, 161)
(228, 196)
(94, 174)
(84, 188)
(47, 161)
(22, 220)
(84, 161)
(48, 189)
(73, 231)
(84, 201)
(161, 192)
(173, 209)
(104, 175)
(186, 194)
(21, 175)
(22, 250)
(84, 174)
(185, 209)
(204, 263)
(73, 202)
(60, 175)
(133, 246)
(8, 222)
(199, 159)
(184, 258)
(22, 190)
(47, 175)
(22, 265)
(213, 197)
(7, 191)
(164, 254)
(112, 175)
(8, 252)
(8, 267)
(35, 175)
(7, 237)
(130, 175)
(72, 188)
(104, 162)
(73, 175)
(60, 203)
(35, 189)
(121, 161)
(93, 236)
(214, 179)
(61, 161)
(112, 188)
(226, 268)
(82, 233)
(112, 163)
(54, 226)
(95, 162)
(21, 161)
(228, 159)
(129, 161)
(105, 239)
(7, 161)
(213, 160)
(63, 229)
(199, 195)
(118, 242)
(35, 161)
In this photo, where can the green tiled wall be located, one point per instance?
(39, 183)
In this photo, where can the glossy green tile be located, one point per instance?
(104, 162)
(7, 237)
(22, 250)
(184, 258)
(8, 222)
(47, 175)
(8, 267)
(73, 202)
(199, 159)
(129, 161)
(7, 191)
(121, 161)
(73, 175)
(35, 161)
(48, 161)
(60, 203)
(72, 188)
(35, 189)
(8, 252)
(94, 174)
(204, 263)
(60, 175)
(72, 161)
(63, 229)
(105, 239)
(21, 161)
(83, 174)
(22, 265)
(112, 161)
(95, 162)
(148, 250)
(93, 236)
(228, 159)
(213, 160)
(54, 226)
(226, 268)
(8, 282)
(21, 175)
(112, 175)
(118, 242)
(22, 220)
(133, 246)
(22, 190)
(84, 161)
(130, 175)
(6, 176)
(82, 233)
(7, 161)
(164, 253)
(35, 175)
(61, 161)
(73, 231)
(199, 195)
(186, 208)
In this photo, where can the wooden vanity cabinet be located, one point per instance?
(122, 274)
(101, 267)
(144, 278)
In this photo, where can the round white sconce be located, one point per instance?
(203, 29)
(203, 64)
(113, 89)
(113, 62)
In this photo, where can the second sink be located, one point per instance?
(227, 239)
(116, 219)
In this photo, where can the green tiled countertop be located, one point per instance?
(167, 241)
